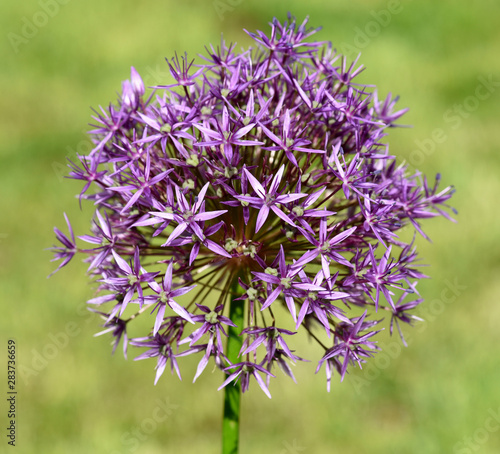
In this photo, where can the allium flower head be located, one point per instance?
(260, 176)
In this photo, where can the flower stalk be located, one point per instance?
(232, 393)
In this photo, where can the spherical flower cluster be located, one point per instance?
(258, 177)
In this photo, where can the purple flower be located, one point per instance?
(180, 72)
(105, 238)
(159, 347)
(281, 281)
(316, 302)
(258, 177)
(323, 247)
(224, 138)
(141, 182)
(350, 345)
(118, 328)
(271, 336)
(245, 370)
(212, 323)
(188, 218)
(165, 296)
(68, 249)
(132, 280)
(399, 314)
(286, 141)
(269, 199)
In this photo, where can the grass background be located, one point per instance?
(75, 397)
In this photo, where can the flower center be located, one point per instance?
(187, 215)
(188, 184)
(132, 279)
(230, 172)
(166, 128)
(271, 271)
(250, 250)
(193, 160)
(286, 282)
(230, 245)
(163, 297)
(245, 203)
(211, 318)
(273, 334)
(252, 293)
(205, 110)
(270, 199)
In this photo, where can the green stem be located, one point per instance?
(232, 392)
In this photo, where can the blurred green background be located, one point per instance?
(440, 395)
